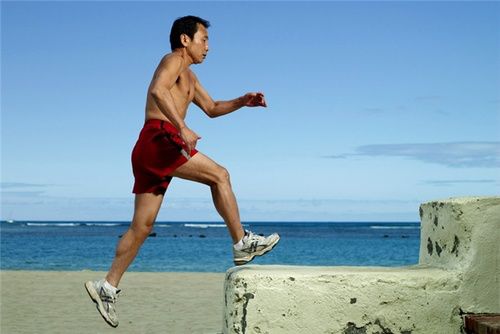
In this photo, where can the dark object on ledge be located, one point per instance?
(482, 323)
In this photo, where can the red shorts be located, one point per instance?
(158, 152)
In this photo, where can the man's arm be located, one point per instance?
(164, 79)
(218, 108)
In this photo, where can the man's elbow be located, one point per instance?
(154, 94)
(211, 111)
(157, 93)
(211, 114)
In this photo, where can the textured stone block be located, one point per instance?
(458, 272)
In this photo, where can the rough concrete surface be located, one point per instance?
(458, 273)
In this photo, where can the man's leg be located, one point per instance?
(145, 212)
(102, 294)
(201, 168)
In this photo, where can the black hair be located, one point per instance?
(185, 25)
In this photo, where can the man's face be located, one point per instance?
(198, 47)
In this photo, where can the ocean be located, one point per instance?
(205, 247)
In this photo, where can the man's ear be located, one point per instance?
(185, 40)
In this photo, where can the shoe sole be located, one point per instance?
(243, 261)
(97, 300)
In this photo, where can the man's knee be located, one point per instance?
(221, 176)
(142, 231)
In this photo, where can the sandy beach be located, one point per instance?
(57, 302)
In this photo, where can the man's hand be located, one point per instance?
(254, 100)
(190, 138)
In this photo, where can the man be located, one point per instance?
(166, 149)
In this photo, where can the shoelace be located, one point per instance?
(109, 298)
(254, 237)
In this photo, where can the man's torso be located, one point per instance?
(182, 94)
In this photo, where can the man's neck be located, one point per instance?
(184, 55)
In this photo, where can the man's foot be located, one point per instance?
(254, 245)
(105, 300)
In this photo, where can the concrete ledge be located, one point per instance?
(463, 234)
(458, 273)
(282, 299)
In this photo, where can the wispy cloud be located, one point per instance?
(338, 156)
(457, 182)
(429, 98)
(454, 154)
(10, 190)
(21, 193)
(17, 185)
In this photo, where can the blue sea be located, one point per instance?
(205, 247)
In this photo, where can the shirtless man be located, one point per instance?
(166, 149)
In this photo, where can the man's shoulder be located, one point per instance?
(172, 55)
(171, 59)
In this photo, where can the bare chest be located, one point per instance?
(184, 87)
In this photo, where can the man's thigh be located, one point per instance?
(146, 208)
(199, 168)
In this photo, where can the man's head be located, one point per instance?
(190, 33)
(188, 26)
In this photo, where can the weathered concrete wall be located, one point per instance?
(458, 271)
(463, 234)
(281, 299)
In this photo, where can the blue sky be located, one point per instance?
(374, 107)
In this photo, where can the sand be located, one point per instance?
(57, 302)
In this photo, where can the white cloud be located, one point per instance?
(454, 154)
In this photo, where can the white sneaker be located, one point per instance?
(105, 300)
(254, 245)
